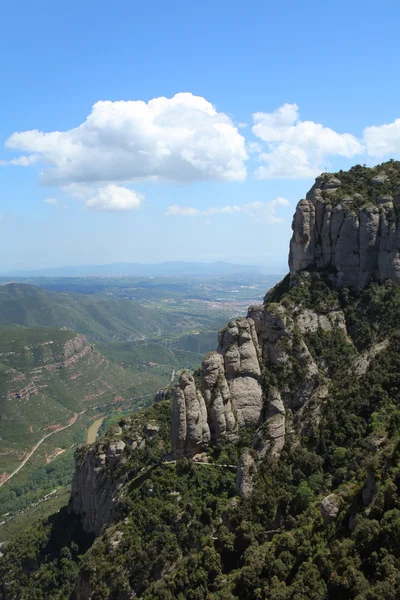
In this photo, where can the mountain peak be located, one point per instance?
(348, 227)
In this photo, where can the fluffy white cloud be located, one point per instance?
(383, 139)
(180, 139)
(260, 211)
(295, 148)
(114, 198)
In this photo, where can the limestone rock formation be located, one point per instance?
(93, 492)
(356, 237)
(244, 475)
(330, 507)
(226, 395)
(276, 419)
(217, 397)
(189, 430)
(229, 393)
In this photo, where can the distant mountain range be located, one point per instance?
(166, 269)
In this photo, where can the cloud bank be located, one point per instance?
(260, 211)
(185, 139)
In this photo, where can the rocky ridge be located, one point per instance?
(263, 375)
(349, 225)
(229, 391)
(273, 470)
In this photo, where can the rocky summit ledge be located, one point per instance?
(348, 225)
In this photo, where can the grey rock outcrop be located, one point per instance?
(356, 245)
(189, 428)
(276, 418)
(238, 344)
(361, 364)
(226, 395)
(330, 507)
(309, 321)
(244, 476)
(217, 397)
(228, 392)
(94, 492)
(369, 489)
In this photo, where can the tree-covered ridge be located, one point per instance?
(182, 531)
(99, 318)
(362, 185)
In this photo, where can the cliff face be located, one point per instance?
(224, 395)
(103, 468)
(231, 390)
(348, 229)
(94, 492)
(353, 234)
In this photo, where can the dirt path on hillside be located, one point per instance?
(36, 446)
(69, 424)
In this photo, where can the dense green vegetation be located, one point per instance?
(97, 317)
(182, 533)
(142, 353)
(358, 184)
(40, 393)
(33, 332)
(19, 496)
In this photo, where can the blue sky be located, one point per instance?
(187, 131)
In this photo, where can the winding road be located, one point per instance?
(72, 421)
(27, 457)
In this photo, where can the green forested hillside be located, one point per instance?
(97, 317)
(48, 376)
(141, 353)
(182, 532)
(53, 382)
(41, 391)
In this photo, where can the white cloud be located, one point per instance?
(180, 139)
(21, 161)
(24, 161)
(260, 211)
(383, 139)
(114, 198)
(296, 149)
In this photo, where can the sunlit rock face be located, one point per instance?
(356, 238)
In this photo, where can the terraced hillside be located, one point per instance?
(50, 378)
(53, 385)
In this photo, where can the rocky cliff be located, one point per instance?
(274, 472)
(105, 467)
(233, 389)
(348, 225)
(348, 229)
(265, 375)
